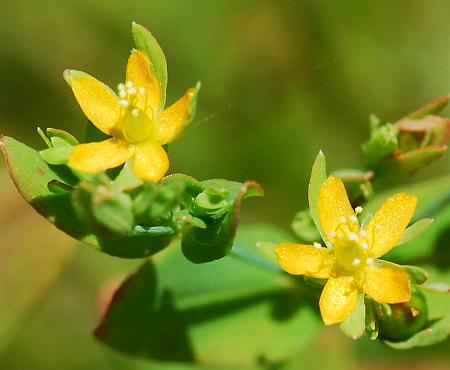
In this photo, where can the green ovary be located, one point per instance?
(137, 126)
(349, 256)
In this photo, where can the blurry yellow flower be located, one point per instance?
(134, 119)
(350, 261)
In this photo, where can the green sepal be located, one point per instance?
(318, 177)
(147, 43)
(57, 155)
(415, 230)
(63, 135)
(354, 326)
(304, 227)
(126, 179)
(44, 137)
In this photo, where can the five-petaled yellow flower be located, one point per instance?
(350, 260)
(134, 119)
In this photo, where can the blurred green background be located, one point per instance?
(280, 80)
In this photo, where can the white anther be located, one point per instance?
(317, 245)
(356, 262)
(142, 90)
(369, 260)
(130, 84)
(358, 210)
(353, 219)
(121, 86)
(343, 220)
(352, 236)
(377, 227)
(122, 93)
(132, 91)
(363, 233)
(123, 103)
(135, 112)
(365, 246)
(332, 234)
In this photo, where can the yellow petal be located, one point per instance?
(338, 300)
(172, 122)
(99, 156)
(390, 221)
(140, 72)
(150, 162)
(98, 102)
(333, 204)
(387, 284)
(300, 259)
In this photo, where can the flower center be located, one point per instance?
(350, 244)
(136, 125)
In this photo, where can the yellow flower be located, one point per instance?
(349, 261)
(134, 119)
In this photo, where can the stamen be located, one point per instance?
(369, 260)
(365, 246)
(135, 112)
(352, 236)
(332, 234)
(363, 233)
(358, 210)
(343, 220)
(317, 245)
(123, 103)
(130, 84)
(142, 90)
(353, 219)
(377, 227)
(356, 262)
(121, 86)
(122, 93)
(132, 91)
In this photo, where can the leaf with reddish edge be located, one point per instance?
(32, 175)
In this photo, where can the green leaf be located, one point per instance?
(189, 315)
(32, 175)
(416, 274)
(435, 333)
(318, 176)
(63, 135)
(216, 240)
(147, 43)
(354, 326)
(415, 230)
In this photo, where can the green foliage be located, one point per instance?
(202, 313)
